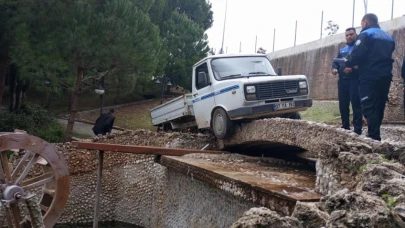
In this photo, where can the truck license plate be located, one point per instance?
(283, 105)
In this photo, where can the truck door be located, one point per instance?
(203, 96)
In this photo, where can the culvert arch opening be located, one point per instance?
(275, 151)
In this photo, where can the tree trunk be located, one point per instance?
(117, 91)
(73, 108)
(70, 102)
(4, 64)
(24, 90)
(18, 95)
(13, 87)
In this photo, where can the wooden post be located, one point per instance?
(98, 188)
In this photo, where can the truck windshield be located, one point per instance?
(235, 67)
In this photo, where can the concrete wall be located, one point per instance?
(314, 59)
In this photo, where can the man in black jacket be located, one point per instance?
(348, 86)
(104, 123)
(372, 53)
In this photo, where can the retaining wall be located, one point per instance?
(314, 60)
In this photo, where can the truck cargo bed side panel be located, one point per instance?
(172, 110)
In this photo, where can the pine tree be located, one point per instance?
(89, 40)
(182, 28)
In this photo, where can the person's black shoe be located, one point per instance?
(375, 138)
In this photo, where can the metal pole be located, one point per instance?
(98, 188)
(240, 47)
(392, 10)
(223, 32)
(161, 89)
(274, 38)
(101, 104)
(295, 39)
(354, 7)
(321, 25)
(365, 6)
(256, 44)
(102, 84)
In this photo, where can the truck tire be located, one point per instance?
(167, 127)
(295, 116)
(221, 124)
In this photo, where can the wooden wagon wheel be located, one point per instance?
(54, 179)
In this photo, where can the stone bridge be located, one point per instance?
(336, 150)
(139, 191)
(316, 138)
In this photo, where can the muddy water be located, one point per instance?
(100, 225)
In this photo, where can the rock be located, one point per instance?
(357, 209)
(310, 215)
(399, 214)
(383, 179)
(344, 170)
(264, 217)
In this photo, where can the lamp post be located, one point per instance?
(100, 91)
(164, 80)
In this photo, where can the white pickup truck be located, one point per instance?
(229, 88)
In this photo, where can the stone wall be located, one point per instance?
(314, 60)
(137, 190)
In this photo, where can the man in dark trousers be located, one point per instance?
(403, 79)
(104, 123)
(348, 86)
(403, 71)
(372, 53)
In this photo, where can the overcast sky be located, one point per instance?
(248, 18)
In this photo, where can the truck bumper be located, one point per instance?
(263, 109)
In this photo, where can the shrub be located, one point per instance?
(35, 120)
(53, 133)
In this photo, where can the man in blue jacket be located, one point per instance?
(372, 53)
(348, 86)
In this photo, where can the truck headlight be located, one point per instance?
(303, 84)
(250, 89)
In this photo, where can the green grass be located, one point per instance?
(81, 136)
(141, 120)
(325, 114)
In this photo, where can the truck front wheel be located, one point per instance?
(221, 124)
(295, 116)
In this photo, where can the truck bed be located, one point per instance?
(180, 107)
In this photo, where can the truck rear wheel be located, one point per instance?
(221, 124)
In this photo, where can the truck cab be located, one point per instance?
(227, 88)
(230, 88)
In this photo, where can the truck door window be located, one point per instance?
(202, 68)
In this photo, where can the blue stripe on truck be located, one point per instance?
(213, 94)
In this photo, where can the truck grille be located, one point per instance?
(277, 90)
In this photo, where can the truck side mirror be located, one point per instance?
(202, 79)
(279, 71)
